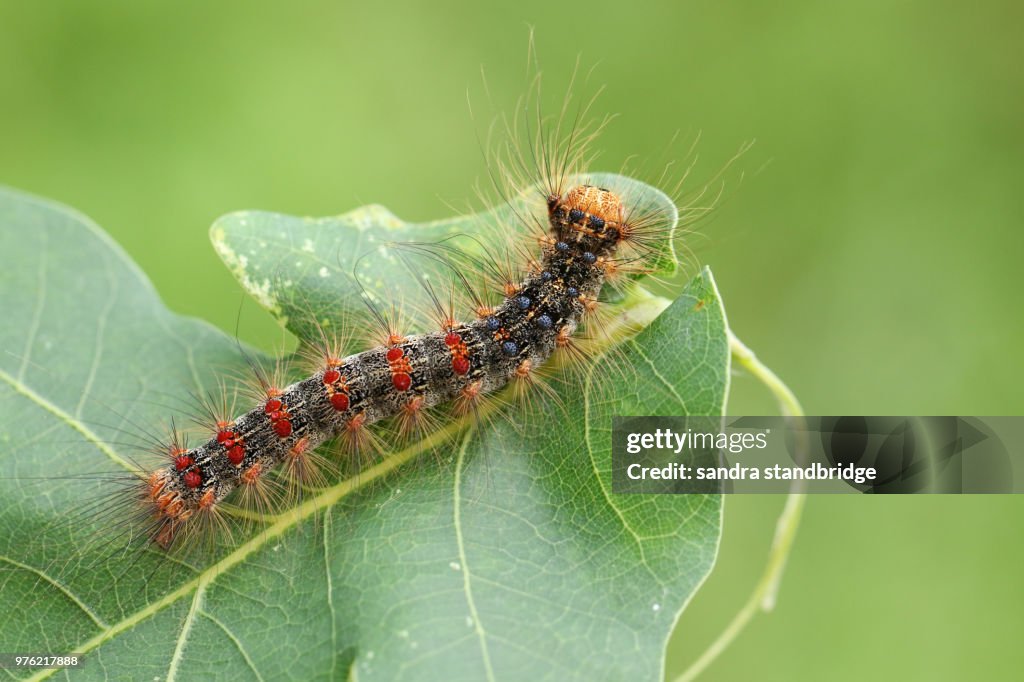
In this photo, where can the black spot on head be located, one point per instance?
(596, 223)
(589, 258)
(493, 323)
(544, 322)
(523, 302)
(575, 215)
(572, 291)
(561, 246)
(509, 348)
(546, 276)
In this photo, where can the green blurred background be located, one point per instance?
(871, 255)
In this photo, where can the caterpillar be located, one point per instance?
(460, 363)
(569, 238)
(574, 239)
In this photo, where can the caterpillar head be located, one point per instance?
(589, 214)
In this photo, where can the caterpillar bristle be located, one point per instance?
(259, 497)
(212, 410)
(262, 382)
(469, 400)
(303, 467)
(324, 349)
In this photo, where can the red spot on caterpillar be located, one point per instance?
(337, 392)
(193, 479)
(460, 353)
(402, 381)
(279, 417)
(182, 462)
(236, 455)
(224, 436)
(400, 368)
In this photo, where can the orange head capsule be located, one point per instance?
(587, 211)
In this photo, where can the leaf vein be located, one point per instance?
(245, 655)
(37, 314)
(460, 540)
(330, 591)
(186, 629)
(101, 327)
(71, 421)
(63, 589)
(659, 375)
(588, 389)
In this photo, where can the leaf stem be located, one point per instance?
(764, 594)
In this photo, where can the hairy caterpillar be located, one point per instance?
(571, 235)
(588, 225)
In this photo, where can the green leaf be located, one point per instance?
(505, 558)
